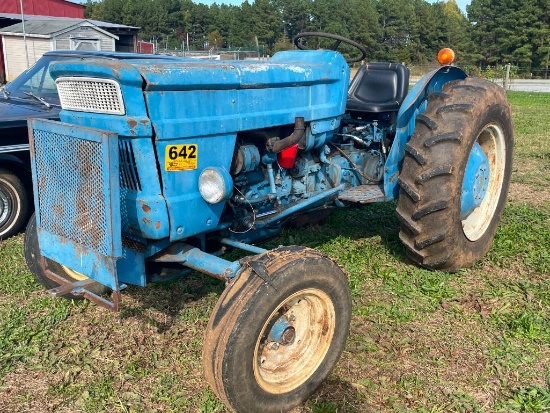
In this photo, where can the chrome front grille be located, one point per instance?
(87, 94)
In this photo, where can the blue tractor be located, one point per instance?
(159, 166)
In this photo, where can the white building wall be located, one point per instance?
(15, 58)
(63, 41)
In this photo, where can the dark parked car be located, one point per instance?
(31, 95)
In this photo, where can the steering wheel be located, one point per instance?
(339, 39)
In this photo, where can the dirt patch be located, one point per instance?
(29, 389)
(527, 194)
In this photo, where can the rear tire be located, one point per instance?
(14, 204)
(33, 257)
(244, 364)
(435, 228)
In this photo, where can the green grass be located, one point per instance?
(532, 153)
(420, 341)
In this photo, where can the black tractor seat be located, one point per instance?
(378, 87)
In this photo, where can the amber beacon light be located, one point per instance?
(446, 56)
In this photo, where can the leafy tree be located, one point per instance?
(108, 11)
(235, 32)
(90, 6)
(412, 31)
(430, 32)
(215, 39)
(457, 29)
(363, 26)
(264, 21)
(281, 44)
(510, 31)
(292, 15)
(399, 29)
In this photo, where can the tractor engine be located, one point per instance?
(266, 183)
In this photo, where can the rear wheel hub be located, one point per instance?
(483, 180)
(476, 181)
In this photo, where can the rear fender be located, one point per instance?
(414, 104)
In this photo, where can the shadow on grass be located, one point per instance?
(336, 395)
(356, 222)
(173, 297)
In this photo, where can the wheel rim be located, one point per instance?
(282, 365)
(5, 206)
(76, 276)
(492, 144)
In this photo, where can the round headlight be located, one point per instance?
(215, 185)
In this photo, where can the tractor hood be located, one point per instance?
(189, 97)
(284, 69)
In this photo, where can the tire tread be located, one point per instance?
(430, 190)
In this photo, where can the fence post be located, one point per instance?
(507, 77)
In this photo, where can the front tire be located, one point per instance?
(14, 203)
(455, 175)
(277, 331)
(33, 257)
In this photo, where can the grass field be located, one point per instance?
(421, 341)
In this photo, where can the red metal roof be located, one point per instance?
(58, 8)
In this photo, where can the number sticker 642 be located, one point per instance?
(181, 157)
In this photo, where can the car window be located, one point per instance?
(36, 79)
(40, 82)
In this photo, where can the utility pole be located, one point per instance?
(24, 33)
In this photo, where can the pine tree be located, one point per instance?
(510, 31)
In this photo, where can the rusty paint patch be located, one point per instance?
(59, 210)
(157, 225)
(117, 67)
(132, 123)
(146, 208)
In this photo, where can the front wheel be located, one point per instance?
(277, 331)
(14, 203)
(455, 175)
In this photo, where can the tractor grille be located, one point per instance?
(129, 178)
(70, 177)
(88, 94)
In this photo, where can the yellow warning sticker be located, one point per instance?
(181, 157)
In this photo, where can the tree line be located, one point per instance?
(494, 32)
